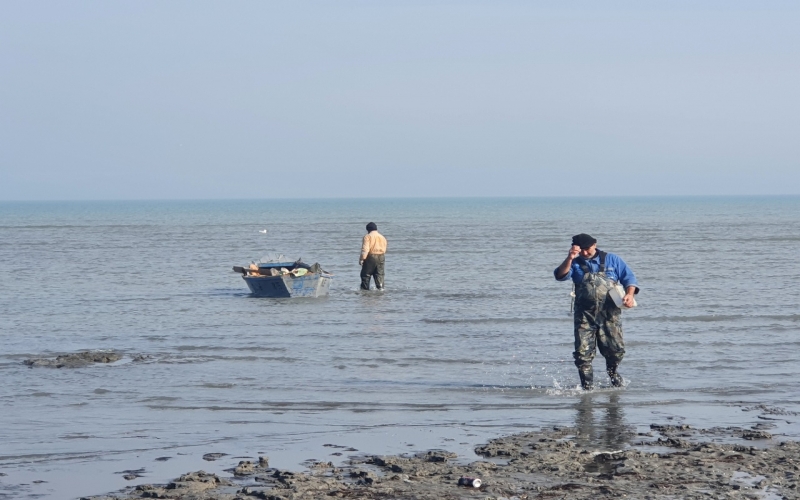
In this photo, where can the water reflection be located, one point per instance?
(600, 419)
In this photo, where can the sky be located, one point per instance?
(348, 99)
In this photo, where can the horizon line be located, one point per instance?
(374, 198)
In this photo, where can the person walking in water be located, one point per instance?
(598, 320)
(373, 253)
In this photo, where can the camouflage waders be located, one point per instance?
(598, 324)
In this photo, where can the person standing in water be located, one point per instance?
(598, 320)
(373, 253)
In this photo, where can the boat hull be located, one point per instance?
(286, 286)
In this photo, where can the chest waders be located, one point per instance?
(373, 268)
(597, 325)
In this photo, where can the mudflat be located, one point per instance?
(670, 461)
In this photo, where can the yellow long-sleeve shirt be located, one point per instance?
(373, 243)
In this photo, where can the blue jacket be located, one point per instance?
(616, 269)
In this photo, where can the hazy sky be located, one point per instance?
(152, 99)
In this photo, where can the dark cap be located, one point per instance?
(372, 226)
(583, 240)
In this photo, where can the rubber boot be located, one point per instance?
(616, 378)
(587, 377)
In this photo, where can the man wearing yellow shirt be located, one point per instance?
(373, 252)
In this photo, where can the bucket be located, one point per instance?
(617, 293)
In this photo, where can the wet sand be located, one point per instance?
(670, 461)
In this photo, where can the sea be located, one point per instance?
(471, 339)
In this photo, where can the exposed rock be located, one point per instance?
(771, 410)
(76, 360)
(545, 464)
(437, 456)
(130, 475)
(245, 468)
(756, 435)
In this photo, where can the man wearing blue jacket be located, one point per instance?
(598, 320)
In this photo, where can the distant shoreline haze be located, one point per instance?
(664, 197)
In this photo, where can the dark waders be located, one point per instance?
(372, 267)
(597, 325)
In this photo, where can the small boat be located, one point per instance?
(277, 277)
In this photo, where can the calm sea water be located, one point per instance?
(472, 338)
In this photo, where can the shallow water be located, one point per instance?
(472, 338)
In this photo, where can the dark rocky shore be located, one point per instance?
(669, 462)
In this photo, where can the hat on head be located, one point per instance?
(372, 226)
(583, 240)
